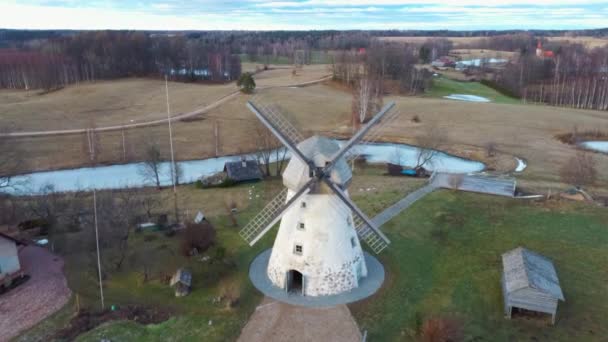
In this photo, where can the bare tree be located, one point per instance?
(579, 170)
(429, 143)
(176, 172)
(150, 168)
(10, 160)
(267, 145)
(367, 99)
(149, 202)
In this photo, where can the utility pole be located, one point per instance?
(97, 243)
(173, 169)
(217, 137)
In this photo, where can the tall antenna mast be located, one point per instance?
(173, 168)
(97, 243)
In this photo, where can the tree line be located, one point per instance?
(91, 56)
(574, 77)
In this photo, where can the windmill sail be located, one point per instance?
(271, 214)
(367, 232)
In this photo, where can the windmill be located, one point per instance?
(317, 250)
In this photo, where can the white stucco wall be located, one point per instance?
(329, 262)
(9, 259)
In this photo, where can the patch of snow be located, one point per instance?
(521, 165)
(599, 146)
(42, 242)
(468, 98)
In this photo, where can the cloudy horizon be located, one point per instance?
(303, 15)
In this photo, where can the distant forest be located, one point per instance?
(573, 76)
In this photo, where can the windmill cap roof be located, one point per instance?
(319, 150)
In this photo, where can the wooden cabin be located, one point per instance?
(529, 282)
(243, 170)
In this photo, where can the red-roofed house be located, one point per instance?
(540, 53)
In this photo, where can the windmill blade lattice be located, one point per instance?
(364, 232)
(367, 234)
(273, 113)
(373, 135)
(271, 214)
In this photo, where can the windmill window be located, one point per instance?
(303, 204)
(297, 249)
(301, 225)
(348, 221)
(353, 242)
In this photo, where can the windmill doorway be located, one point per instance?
(295, 282)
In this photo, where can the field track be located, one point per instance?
(195, 112)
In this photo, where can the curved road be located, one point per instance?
(154, 122)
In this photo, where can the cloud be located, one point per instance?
(302, 15)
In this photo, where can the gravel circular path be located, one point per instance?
(367, 286)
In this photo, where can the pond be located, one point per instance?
(598, 146)
(468, 98)
(128, 175)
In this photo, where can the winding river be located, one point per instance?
(128, 175)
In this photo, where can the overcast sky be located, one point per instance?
(303, 14)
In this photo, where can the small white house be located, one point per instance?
(529, 282)
(10, 267)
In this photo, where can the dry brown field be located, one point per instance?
(589, 42)
(126, 101)
(458, 41)
(481, 53)
(526, 131)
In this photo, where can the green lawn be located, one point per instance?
(455, 273)
(443, 86)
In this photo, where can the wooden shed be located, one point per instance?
(243, 170)
(181, 282)
(529, 282)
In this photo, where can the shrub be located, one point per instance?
(197, 236)
(499, 88)
(441, 330)
(579, 170)
(490, 149)
(246, 83)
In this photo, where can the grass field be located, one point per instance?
(126, 101)
(192, 313)
(444, 261)
(443, 86)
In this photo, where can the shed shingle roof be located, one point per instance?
(239, 172)
(526, 269)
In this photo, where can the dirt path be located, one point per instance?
(195, 112)
(43, 294)
(276, 321)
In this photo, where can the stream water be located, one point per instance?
(129, 175)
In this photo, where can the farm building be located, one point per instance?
(10, 267)
(529, 282)
(243, 171)
(182, 282)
